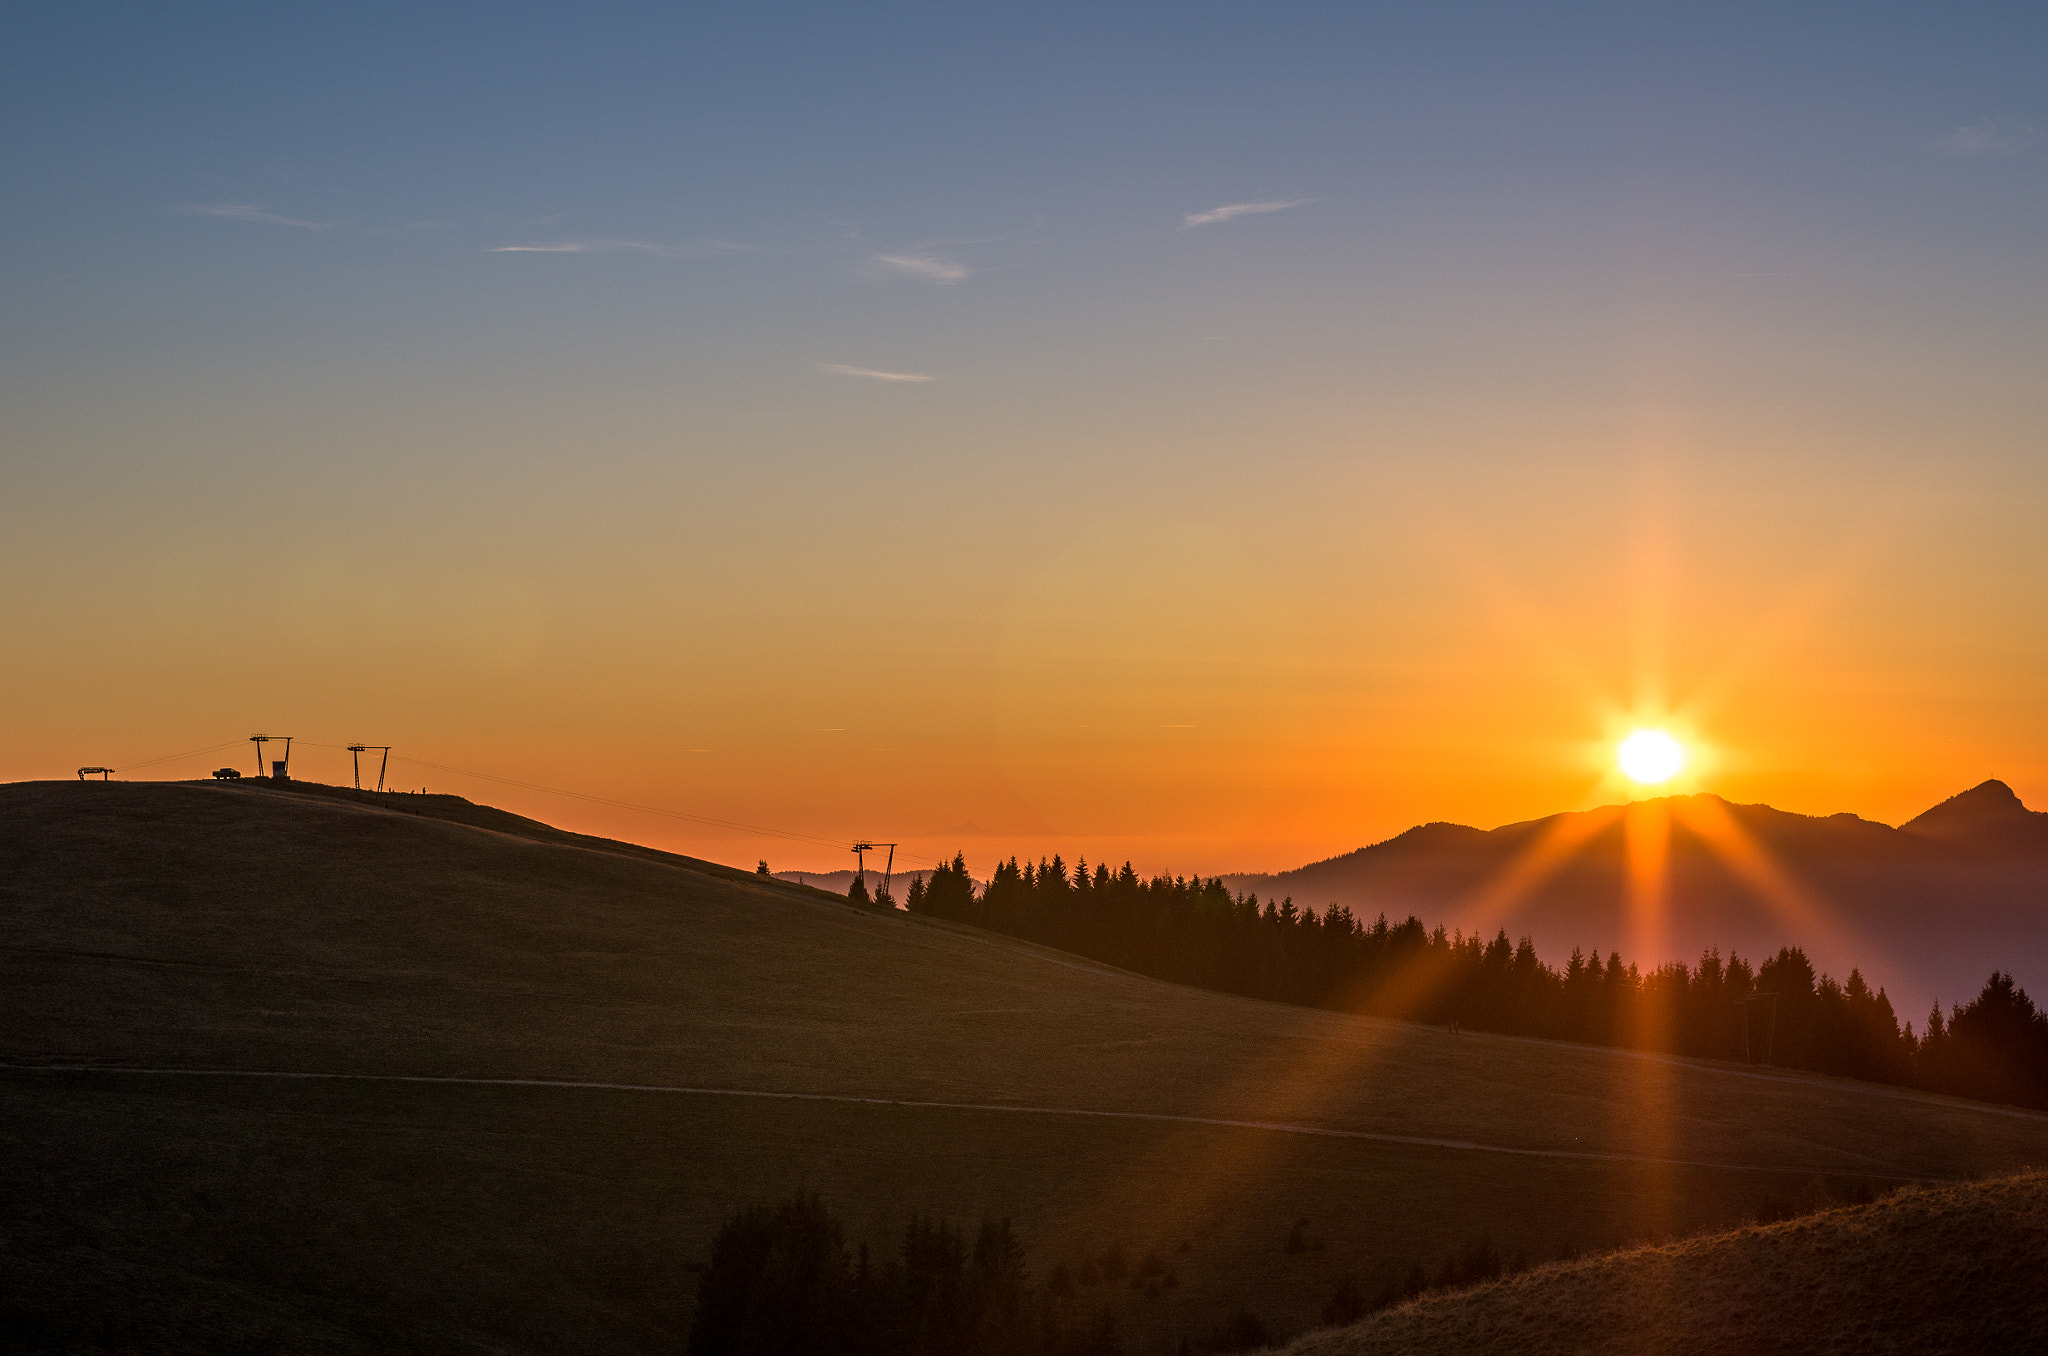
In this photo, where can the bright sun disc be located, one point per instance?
(1651, 756)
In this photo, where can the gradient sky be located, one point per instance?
(1325, 418)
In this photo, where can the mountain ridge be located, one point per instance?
(1927, 908)
(1989, 816)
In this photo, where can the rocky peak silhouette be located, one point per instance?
(1987, 817)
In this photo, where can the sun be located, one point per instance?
(1650, 757)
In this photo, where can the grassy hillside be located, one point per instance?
(252, 928)
(1940, 1269)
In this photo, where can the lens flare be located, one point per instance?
(1650, 756)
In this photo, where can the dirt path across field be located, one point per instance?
(998, 1108)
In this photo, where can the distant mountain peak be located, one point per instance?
(1991, 797)
(1989, 814)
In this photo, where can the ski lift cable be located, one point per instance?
(788, 834)
(173, 757)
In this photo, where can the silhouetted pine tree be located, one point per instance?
(780, 1283)
(1194, 931)
(948, 892)
(779, 1280)
(1995, 1047)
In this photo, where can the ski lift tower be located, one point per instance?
(860, 862)
(280, 768)
(1768, 1033)
(356, 752)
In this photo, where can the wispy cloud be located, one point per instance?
(928, 266)
(842, 370)
(250, 211)
(703, 249)
(574, 247)
(1989, 140)
(1232, 210)
(410, 228)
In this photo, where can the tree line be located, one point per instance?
(782, 1280)
(1189, 930)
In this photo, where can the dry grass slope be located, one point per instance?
(249, 927)
(1960, 1268)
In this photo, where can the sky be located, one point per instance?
(1214, 436)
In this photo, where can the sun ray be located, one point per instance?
(1805, 913)
(1313, 1087)
(1646, 840)
(1534, 628)
(1759, 642)
(1557, 843)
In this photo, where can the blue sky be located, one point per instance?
(544, 349)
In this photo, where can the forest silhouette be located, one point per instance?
(1780, 1011)
(781, 1279)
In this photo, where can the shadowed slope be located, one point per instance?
(241, 927)
(1938, 1269)
(263, 929)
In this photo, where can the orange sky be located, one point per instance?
(1219, 442)
(1349, 650)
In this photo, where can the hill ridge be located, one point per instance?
(452, 809)
(1906, 1273)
